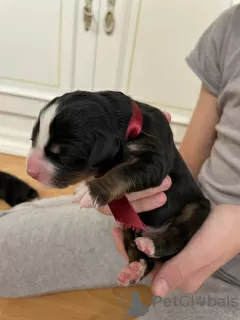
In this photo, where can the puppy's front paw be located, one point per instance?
(91, 194)
(83, 197)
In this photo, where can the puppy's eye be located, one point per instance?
(55, 149)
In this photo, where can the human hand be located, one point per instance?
(145, 200)
(216, 243)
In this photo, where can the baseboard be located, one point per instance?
(14, 144)
(15, 134)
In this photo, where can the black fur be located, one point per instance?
(15, 191)
(90, 129)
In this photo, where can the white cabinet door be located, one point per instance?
(111, 48)
(45, 51)
(85, 47)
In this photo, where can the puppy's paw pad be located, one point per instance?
(83, 197)
(132, 273)
(146, 245)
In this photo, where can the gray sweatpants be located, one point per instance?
(51, 245)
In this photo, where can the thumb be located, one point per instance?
(169, 277)
(180, 268)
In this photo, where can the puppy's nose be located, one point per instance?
(32, 173)
(34, 165)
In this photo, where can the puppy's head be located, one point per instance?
(76, 136)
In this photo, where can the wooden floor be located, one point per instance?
(101, 304)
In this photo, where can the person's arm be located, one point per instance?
(200, 134)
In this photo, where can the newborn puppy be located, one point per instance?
(81, 135)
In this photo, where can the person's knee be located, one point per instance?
(7, 266)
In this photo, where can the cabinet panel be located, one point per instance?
(30, 33)
(111, 48)
(165, 33)
(85, 44)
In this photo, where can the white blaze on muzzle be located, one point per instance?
(37, 165)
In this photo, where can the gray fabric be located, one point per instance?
(216, 60)
(52, 245)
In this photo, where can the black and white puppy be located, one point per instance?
(81, 135)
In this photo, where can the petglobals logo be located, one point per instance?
(197, 300)
(192, 303)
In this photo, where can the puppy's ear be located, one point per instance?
(108, 150)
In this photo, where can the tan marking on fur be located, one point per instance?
(187, 212)
(116, 188)
(112, 181)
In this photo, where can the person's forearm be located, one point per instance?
(200, 134)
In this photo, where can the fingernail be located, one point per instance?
(160, 198)
(166, 183)
(161, 288)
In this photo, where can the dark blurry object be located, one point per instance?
(15, 191)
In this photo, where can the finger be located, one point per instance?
(166, 184)
(168, 116)
(142, 205)
(118, 239)
(149, 203)
(105, 210)
(145, 200)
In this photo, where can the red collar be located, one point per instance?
(135, 123)
(122, 209)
